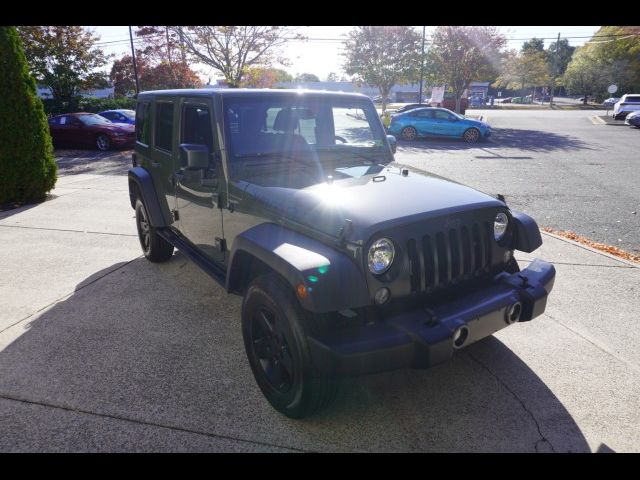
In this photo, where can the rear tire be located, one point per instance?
(155, 248)
(274, 329)
(103, 142)
(408, 133)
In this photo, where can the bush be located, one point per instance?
(26, 152)
(84, 104)
(95, 105)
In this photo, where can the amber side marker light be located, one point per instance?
(302, 292)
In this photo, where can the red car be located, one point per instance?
(90, 130)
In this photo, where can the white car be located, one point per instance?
(628, 103)
(610, 102)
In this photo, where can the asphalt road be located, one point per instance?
(566, 170)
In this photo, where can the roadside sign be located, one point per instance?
(612, 88)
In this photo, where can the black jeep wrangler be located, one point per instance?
(349, 263)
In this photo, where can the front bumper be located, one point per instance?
(425, 337)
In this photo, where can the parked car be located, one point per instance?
(633, 119)
(507, 100)
(627, 104)
(409, 106)
(437, 122)
(120, 116)
(348, 262)
(89, 130)
(610, 102)
(378, 99)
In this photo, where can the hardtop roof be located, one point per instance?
(245, 92)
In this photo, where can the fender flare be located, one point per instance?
(140, 181)
(526, 231)
(332, 278)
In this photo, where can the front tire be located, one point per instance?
(471, 135)
(155, 248)
(274, 330)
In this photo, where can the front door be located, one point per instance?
(200, 219)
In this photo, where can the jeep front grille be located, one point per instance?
(449, 257)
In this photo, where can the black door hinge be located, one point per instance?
(221, 243)
(176, 215)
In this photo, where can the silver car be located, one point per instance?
(627, 104)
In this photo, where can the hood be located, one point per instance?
(372, 202)
(123, 127)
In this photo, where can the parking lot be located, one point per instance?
(101, 350)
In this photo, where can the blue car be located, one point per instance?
(120, 116)
(437, 122)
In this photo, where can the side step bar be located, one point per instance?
(211, 268)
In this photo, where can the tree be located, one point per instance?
(233, 49)
(617, 48)
(26, 153)
(559, 55)
(157, 77)
(590, 74)
(527, 69)
(306, 77)
(461, 55)
(532, 46)
(63, 58)
(383, 56)
(332, 77)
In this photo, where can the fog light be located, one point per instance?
(382, 295)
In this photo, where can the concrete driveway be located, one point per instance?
(101, 350)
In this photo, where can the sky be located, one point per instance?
(321, 53)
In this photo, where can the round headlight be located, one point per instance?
(381, 256)
(500, 225)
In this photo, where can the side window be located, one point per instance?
(164, 126)
(54, 121)
(442, 115)
(142, 122)
(64, 120)
(196, 125)
(424, 113)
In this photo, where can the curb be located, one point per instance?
(599, 252)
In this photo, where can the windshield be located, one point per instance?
(130, 114)
(93, 120)
(300, 128)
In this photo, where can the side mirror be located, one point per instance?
(393, 143)
(194, 157)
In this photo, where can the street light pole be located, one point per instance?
(421, 66)
(133, 56)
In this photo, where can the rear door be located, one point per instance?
(423, 121)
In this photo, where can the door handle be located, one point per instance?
(155, 164)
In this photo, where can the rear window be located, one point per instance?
(632, 99)
(142, 123)
(164, 126)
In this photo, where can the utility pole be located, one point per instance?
(422, 66)
(555, 70)
(133, 56)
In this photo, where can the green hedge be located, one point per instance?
(82, 104)
(27, 167)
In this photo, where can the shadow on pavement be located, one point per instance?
(73, 162)
(162, 344)
(529, 140)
